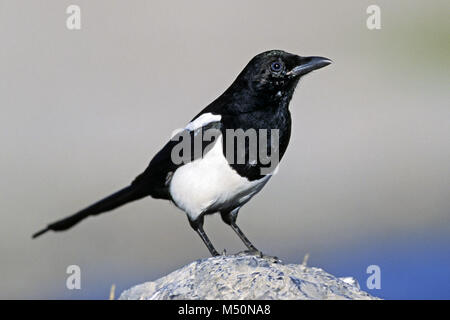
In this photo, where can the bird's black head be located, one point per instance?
(272, 76)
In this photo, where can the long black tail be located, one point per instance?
(121, 197)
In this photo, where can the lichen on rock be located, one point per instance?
(246, 277)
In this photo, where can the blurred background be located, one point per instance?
(365, 180)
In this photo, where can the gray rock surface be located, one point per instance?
(247, 277)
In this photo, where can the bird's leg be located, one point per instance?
(244, 239)
(197, 225)
(207, 242)
(230, 219)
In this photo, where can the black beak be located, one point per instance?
(308, 64)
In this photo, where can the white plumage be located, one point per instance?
(209, 183)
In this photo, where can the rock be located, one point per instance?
(246, 277)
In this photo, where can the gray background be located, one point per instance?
(82, 113)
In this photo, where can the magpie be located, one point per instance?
(212, 182)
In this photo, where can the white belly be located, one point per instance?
(210, 184)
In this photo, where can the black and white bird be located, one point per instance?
(212, 183)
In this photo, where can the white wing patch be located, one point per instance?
(203, 120)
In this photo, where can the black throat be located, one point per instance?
(268, 111)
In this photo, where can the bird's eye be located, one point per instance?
(276, 66)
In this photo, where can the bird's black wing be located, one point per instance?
(154, 181)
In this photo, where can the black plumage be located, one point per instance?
(258, 100)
